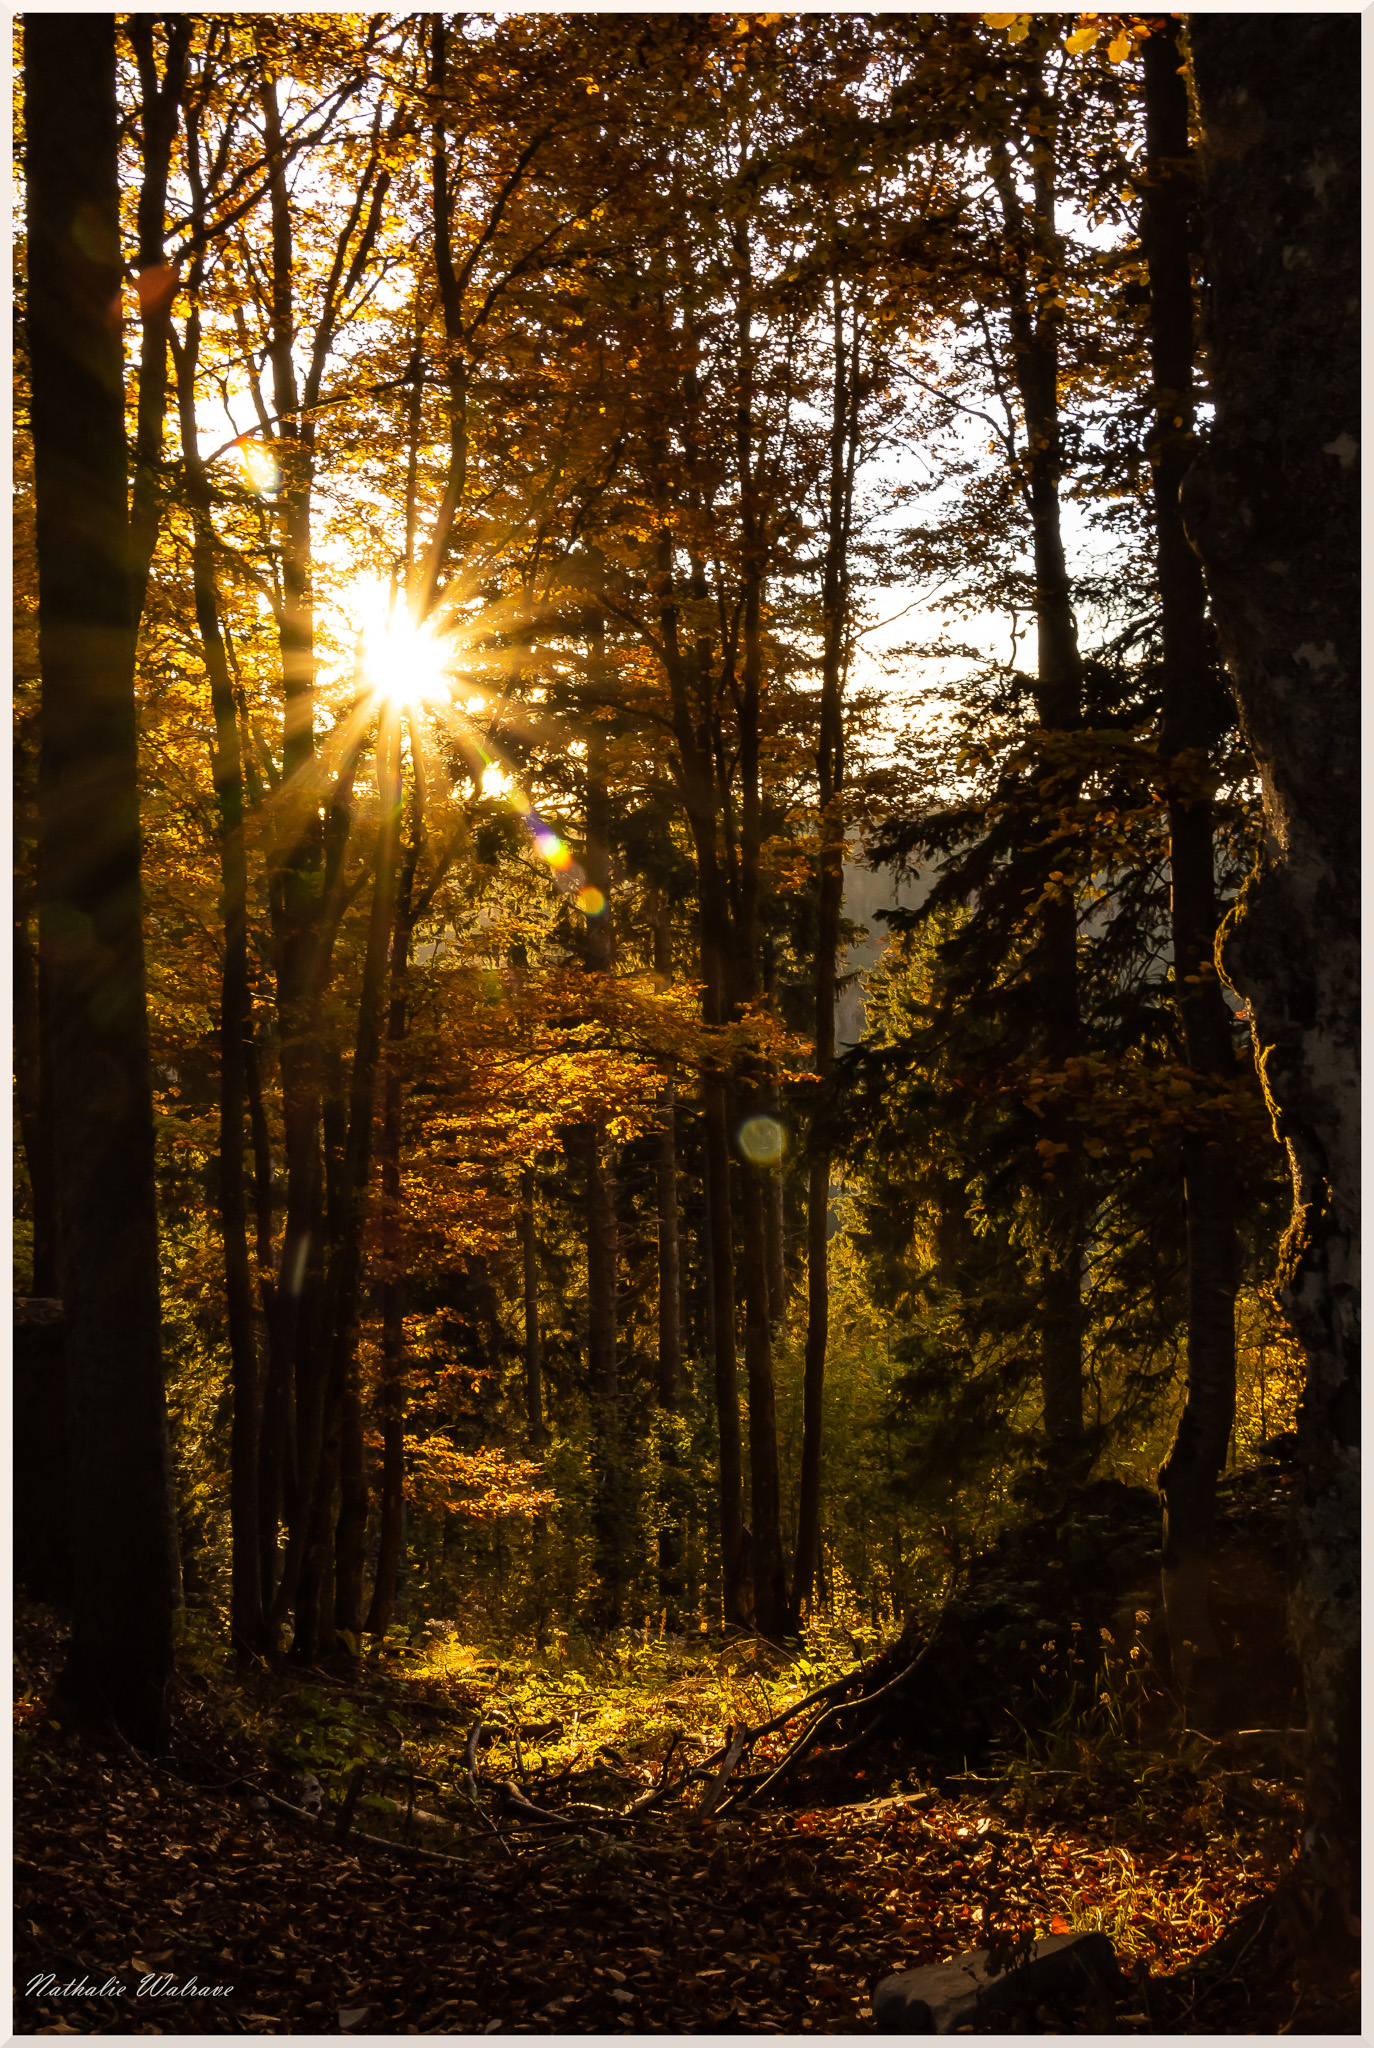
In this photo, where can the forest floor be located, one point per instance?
(182, 1897)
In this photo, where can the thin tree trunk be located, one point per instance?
(609, 1517)
(160, 109)
(736, 1572)
(1195, 714)
(1035, 322)
(529, 1259)
(119, 1657)
(392, 1394)
(765, 1488)
(345, 1267)
(700, 803)
(830, 893)
(765, 1507)
(246, 1601)
(671, 1543)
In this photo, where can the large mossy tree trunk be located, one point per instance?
(123, 1534)
(1272, 507)
(1195, 715)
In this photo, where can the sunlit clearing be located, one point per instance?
(496, 781)
(404, 663)
(591, 900)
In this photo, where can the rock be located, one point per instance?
(942, 1996)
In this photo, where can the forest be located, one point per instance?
(685, 944)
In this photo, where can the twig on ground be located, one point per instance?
(729, 1764)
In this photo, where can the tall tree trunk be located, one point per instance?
(157, 283)
(296, 1371)
(1195, 714)
(534, 1361)
(1272, 508)
(830, 904)
(1035, 321)
(691, 728)
(344, 1293)
(610, 1532)
(119, 1658)
(246, 1596)
(671, 1539)
(765, 1487)
(392, 1394)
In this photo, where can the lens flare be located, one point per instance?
(258, 466)
(591, 900)
(551, 848)
(763, 1141)
(406, 664)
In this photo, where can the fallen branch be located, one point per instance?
(739, 1741)
(312, 1820)
(515, 1798)
(807, 1740)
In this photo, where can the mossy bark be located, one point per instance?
(1272, 508)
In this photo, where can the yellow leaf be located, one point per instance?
(999, 20)
(1081, 39)
(1120, 49)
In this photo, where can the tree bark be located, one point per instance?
(696, 788)
(1034, 256)
(765, 1487)
(1272, 507)
(157, 283)
(344, 1290)
(33, 1101)
(603, 1253)
(830, 902)
(246, 1595)
(392, 1395)
(123, 1533)
(1195, 714)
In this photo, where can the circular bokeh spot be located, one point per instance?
(763, 1141)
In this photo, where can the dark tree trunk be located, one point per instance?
(830, 902)
(691, 733)
(1035, 321)
(765, 1490)
(246, 1597)
(529, 1263)
(610, 1532)
(1272, 508)
(765, 1487)
(123, 1533)
(1195, 715)
(737, 1591)
(160, 110)
(671, 1535)
(344, 1291)
(33, 1101)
